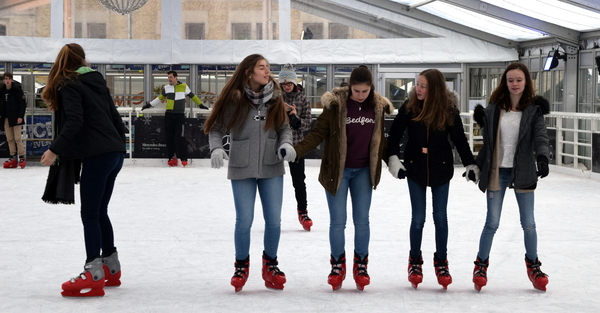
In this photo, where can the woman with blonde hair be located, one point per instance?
(251, 110)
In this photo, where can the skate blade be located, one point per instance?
(414, 285)
(336, 287)
(88, 292)
(477, 287)
(273, 286)
(360, 287)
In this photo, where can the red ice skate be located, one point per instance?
(90, 283)
(538, 278)
(338, 272)
(242, 270)
(442, 272)
(273, 277)
(480, 273)
(304, 220)
(173, 161)
(184, 163)
(112, 270)
(22, 162)
(11, 162)
(361, 277)
(415, 271)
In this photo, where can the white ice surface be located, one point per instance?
(174, 233)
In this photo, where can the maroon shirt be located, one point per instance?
(359, 130)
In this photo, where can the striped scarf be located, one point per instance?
(260, 97)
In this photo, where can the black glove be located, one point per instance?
(202, 106)
(542, 166)
(147, 105)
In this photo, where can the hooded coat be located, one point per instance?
(13, 107)
(531, 145)
(330, 128)
(87, 122)
(436, 166)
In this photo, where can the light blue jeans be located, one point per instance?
(244, 197)
(418, 201)
(525, 200)
(358, 181)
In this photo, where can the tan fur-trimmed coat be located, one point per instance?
(330, 128)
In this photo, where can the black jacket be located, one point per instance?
(436, 167)
(14, 108)
(87, 121)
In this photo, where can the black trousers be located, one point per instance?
(298, 177)
(175, 135)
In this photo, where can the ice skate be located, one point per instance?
(538, 278)
(273, 277)
(242, 270)
(442, 272)
(361, 277)
(184, 163)
(415, 271)
(11, 162)
(304, 220)
(22, 161)
(112, 270)
(480, 273)
(90, 283)
(338, 272)
(172, 162)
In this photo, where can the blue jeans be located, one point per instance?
(98, 174)
(271, 197)
(358, 181)
(525, 200)
(418, 202)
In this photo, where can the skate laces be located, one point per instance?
(361, 269)
(416, 269)
(535, 269)
(82, 276)
(337, 270)
(304, 216)
(441, 268)
(240, 272)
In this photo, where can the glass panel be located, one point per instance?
(126, 82)
(585, 90)
(159, 78)
(323, 28)
(211, 80)
(25, 20)
(230, 19)
(314, 81)
(396, 90)
(546, 87)
(558, 78)
(477, 81)
(90, 19)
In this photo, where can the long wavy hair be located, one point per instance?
(501, 95)
(435, 110)
(70, 57)
(362, 75)
(233, 99)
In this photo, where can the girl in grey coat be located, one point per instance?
(514, 140)
(251, 110)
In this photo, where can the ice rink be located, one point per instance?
(174, 233)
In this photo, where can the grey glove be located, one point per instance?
(396, 167)
(217, 156)
(287, 152)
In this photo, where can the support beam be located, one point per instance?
(593, 6)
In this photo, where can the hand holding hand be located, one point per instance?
(287, 152)
(472, 173)
(217, 156)
(396, 167)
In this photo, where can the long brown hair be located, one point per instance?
(435, 110)
(501, 94)
(362, 75)
(230, 101)
(69, 59)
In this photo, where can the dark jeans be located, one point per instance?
(98, 176)
(175, 135)
(298, 177)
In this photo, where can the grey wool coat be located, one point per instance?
(252, 150)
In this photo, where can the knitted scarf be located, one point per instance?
(260, 97)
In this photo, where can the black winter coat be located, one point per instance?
(436, 167)
(14, 108)
(87, 121)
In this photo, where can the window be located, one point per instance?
(78, 30)
(194, 31)
(96, 30)
(315, 28)
(2, 30)
(241, 31)
(338, 31)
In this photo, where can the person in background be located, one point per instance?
(429, 118)
(89, 129)
(12, 118)
(299, 114)
(352, 129)
(514, 140)
(251, 109)
(175, 93)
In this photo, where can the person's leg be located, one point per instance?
(338, 216)
(440, 219)
(494, 210)
(10, 138)
(170, 134)
(361, 191)
(95, 174)
(298, 177)
(19, 140)
(108, 239)
(526, 201)
(271, 197)
(244, 196)
(417, 201)
(180, 141)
